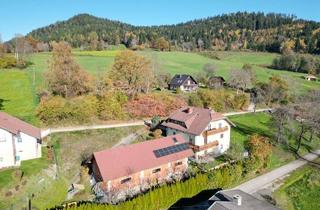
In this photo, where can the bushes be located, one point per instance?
(219, 100)
(148, 105)
(110, 106)
(57, 109)
(297, 63)
(7, 62)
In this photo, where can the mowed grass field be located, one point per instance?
(19, 87)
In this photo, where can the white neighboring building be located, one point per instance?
(18, 141)
(205, 130)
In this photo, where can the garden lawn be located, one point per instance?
(300, 190)
(258, 123)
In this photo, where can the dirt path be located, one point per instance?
(48, 131)
(264, 180)
(130, 138)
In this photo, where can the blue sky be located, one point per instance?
(22, 16)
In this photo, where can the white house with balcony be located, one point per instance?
(205, 130)
(18, 141)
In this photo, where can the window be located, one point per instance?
(2, 137)
(125, 180)
(156, 170)
(220, 125)
(178, 163)
(17, 158)
(1, 159)
(19, 139)
(221, 136)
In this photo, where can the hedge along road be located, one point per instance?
(47, 131)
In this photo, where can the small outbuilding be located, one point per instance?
(310, 77)
(216, 82)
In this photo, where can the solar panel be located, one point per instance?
(170, 150)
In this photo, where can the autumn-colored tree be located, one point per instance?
(260, 149)
(149, 105)
(131, 73)
(65, 77)
(162, 44)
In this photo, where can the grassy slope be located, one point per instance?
(298, 191)
(20, 87)
(69, 147)
(258, 123)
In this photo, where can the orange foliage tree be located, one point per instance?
(148, 105)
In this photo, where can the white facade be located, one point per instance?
(16, 148)
(222, 136)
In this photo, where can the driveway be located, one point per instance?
(260, 182)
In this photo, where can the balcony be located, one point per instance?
(197, 148)
(214, 131)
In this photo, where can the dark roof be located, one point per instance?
(14, 125)
(179, 79)
(194, 120)
(126, 160)
(224, 200)
(217, 78)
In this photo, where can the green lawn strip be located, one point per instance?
(28, 167)
(299, 190)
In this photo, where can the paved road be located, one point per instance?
(245, 112)
(260, 182)
(48, 131)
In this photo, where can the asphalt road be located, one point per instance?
(260, 182)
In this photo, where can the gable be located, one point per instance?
(180, 79)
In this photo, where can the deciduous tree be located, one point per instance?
(131, 73)
(65, 77)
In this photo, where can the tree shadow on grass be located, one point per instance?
(1, 103)
(250, 130)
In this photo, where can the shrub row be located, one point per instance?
(110, 106)
(219, 100)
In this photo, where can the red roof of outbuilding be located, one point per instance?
(14, 125)
(126, 160)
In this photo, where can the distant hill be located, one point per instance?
(242, 30)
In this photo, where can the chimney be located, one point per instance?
(237, 199)
(189, 110)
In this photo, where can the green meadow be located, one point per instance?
(18, 88)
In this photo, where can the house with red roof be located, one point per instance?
(141, 165)
(18, 141)
(205, 130)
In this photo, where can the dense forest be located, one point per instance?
(237, 31)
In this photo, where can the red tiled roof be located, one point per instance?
(14, 125)
(126, 160)
(196, 119)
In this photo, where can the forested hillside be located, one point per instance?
(242, 30)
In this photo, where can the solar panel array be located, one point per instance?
(170, 150)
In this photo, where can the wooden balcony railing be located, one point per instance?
(214, 131)
(197, 148)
